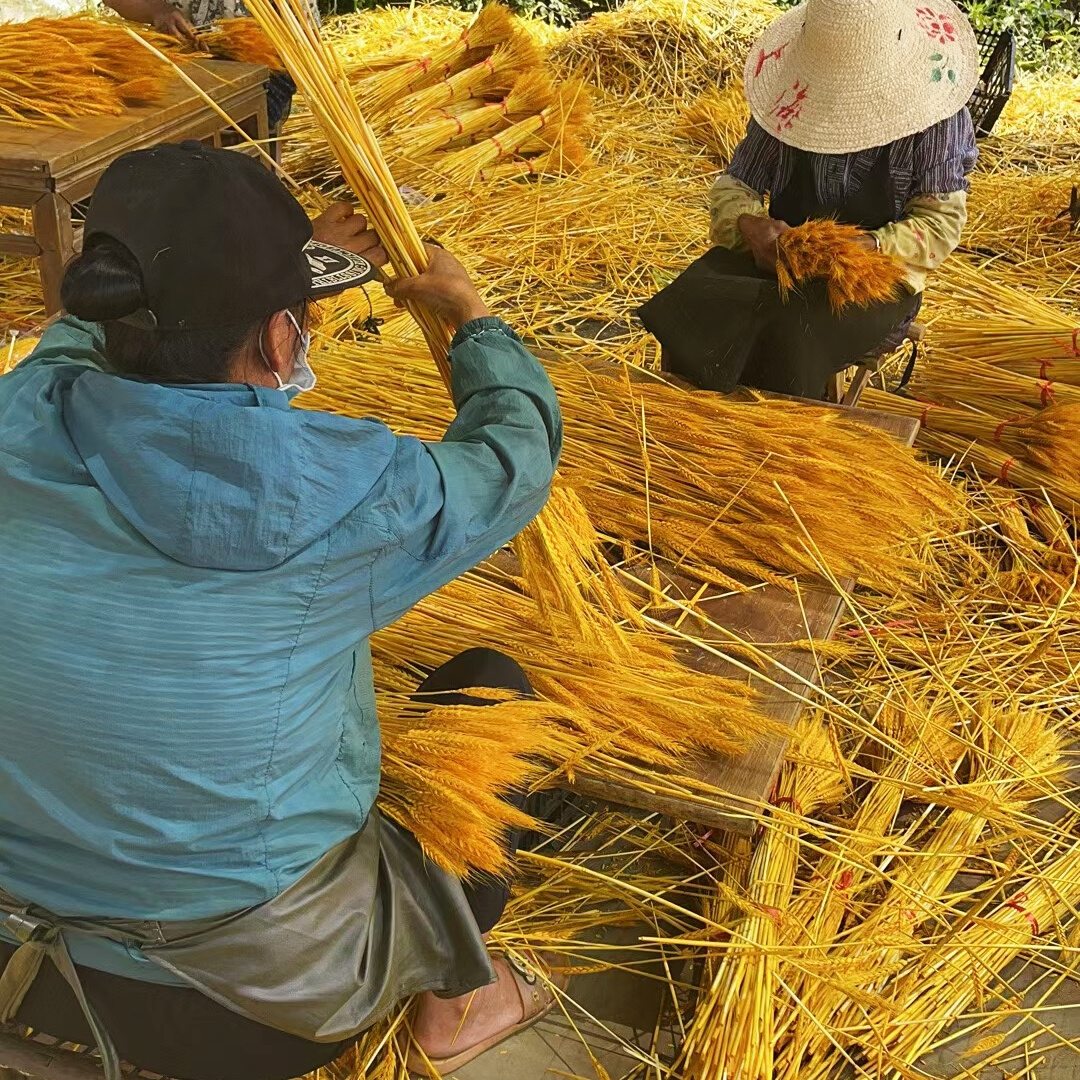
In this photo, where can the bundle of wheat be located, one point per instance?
(493, 76)
(51, 69)
(380, 90)
(827, 251)
(564, 117)
(1047, 439)
(732, 1034)
(988, 388)
(717, 120)
(241, 40)
(725, 486)
(530, 95)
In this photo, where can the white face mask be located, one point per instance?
(303, 378)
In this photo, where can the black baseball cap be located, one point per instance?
(219, 240)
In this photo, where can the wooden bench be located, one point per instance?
(47, 169)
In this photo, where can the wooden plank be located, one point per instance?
(771, 618)
(52, 151)
(18, 244)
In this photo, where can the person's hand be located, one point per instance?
(168, 20)
(341, 226)
(443, 288)
(760, 235)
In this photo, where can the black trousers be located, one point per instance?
(175, 1030)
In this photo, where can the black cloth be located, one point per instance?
(722, 322)
(178, 1032)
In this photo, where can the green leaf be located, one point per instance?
(936, 58)
(935, 75)
(952, 75)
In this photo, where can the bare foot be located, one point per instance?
(447, 1026)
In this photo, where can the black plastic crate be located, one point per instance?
(997, 54)
(997, 50)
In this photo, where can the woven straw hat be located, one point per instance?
(839, 76)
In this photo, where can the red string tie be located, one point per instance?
(1006, 466)
(1001, 427)
(1016, 904)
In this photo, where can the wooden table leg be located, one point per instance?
(54, 234)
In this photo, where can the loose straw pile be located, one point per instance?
(830, 252)
(663, 49)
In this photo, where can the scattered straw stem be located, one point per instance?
(732, 1034)
(940, 987)
(569, 154)
(925, 755)
(1014, 754)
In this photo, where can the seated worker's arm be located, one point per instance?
(450, 504)
(159, 14)
(926, 235)
(741, 188)
(934, 217)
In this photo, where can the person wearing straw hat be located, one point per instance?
(858, 113)
(182, 18)
(193, 872)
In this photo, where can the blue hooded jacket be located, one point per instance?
(188, 580)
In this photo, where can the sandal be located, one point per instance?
(537, 1000)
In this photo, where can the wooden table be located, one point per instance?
(46, 169)
(771, 618)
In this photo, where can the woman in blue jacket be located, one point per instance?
(191, 863)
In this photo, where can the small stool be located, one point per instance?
(834, 390)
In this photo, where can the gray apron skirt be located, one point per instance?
(371, 923)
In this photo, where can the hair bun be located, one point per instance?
(103, 283)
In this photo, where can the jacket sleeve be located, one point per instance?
(729, 199)
(451, 504)
(926, 235)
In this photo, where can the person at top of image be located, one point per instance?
(859, 114)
